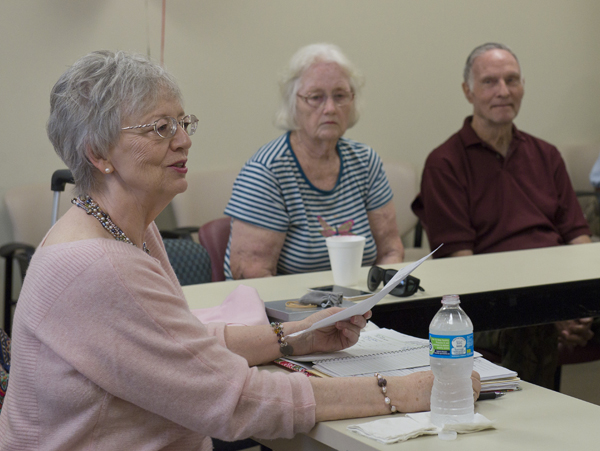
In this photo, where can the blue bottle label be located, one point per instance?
(451, 346)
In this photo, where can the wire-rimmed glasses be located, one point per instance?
(166, 127)
(316, 100)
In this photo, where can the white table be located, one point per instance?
(532, 419)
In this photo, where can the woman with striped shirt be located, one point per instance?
(311, 182)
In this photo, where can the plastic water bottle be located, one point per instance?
(451, 359)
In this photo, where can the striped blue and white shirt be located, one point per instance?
(272, 191)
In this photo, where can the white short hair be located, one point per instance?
(90, 99)
(302, 60)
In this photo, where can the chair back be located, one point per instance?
(189, 260)
(404, 182)
(214, 236)
(579, 160)
(206, 197)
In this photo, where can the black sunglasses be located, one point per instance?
(406, 287)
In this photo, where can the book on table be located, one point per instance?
(392, 353)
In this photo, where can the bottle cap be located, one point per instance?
(451, 299)
(447, 435)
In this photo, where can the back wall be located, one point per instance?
(227, 54)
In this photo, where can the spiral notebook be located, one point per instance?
(383, 349)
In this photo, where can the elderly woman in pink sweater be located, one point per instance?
(106, 354)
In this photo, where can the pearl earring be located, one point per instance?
(107, 170)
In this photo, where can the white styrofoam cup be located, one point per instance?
(345, 256)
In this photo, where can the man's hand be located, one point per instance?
(574, 332)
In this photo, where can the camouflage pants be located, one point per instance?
(530, 351)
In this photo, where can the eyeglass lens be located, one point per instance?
(190, 124)
(406, 287)
(374, 278)
(166, 127)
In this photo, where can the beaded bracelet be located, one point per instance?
(383, 384)
(285, 348)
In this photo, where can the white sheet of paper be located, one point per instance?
(364, 306)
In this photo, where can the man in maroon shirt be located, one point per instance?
(492, 188)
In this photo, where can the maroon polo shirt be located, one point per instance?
(472, 198)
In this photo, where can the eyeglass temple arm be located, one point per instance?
(133, 127)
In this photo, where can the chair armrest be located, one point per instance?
(9, 250)
(60, 178)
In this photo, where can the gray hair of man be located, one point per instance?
(478, 51)
(303, 59)
(90, 100)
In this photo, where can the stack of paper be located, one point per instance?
(493, 377)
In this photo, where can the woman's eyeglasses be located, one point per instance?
(166, 127)
(406, 287)
(316, 100)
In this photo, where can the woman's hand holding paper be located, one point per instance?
(337, 336)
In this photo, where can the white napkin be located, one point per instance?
(399, 429)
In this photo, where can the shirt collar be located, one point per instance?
(470, 138)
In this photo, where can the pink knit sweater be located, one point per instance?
(107, 356)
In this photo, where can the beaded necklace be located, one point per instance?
(92, 208)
